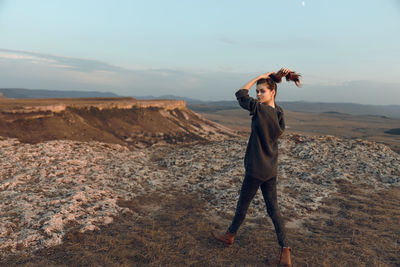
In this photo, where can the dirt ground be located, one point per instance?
(354, 228)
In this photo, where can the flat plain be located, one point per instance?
(369, 127)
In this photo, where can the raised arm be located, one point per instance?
(245, 101)
(250, 84)
(249, 103)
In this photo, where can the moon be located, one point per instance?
(303, 3)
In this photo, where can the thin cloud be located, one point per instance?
(57, 72)
(226, 40)
(68, 63)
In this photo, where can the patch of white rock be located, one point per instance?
(47, 188)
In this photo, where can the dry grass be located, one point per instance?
(354, 228)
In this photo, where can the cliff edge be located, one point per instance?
(125, 121)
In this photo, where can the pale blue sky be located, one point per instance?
(203, 49)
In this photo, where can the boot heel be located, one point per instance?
(283, 258)
(224, 237)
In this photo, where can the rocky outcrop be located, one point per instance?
(49, 187)
(12, 106)
(125, 121)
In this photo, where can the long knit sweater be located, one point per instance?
(267, 124)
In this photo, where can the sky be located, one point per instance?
(346, 51)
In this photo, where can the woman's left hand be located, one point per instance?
(265, 75)
(284, 71)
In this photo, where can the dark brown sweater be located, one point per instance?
(267, 124)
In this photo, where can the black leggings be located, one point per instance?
(249, 189)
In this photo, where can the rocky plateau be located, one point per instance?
(48, 187)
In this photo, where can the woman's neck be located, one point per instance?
(270, 103)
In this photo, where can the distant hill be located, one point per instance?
(392, 111)
(41, 93)
(395, 131)
(174, 97)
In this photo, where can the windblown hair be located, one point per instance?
(276, 77)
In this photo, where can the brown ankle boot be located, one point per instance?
(224, 237)
(283, 258)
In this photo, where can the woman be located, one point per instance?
(261, 157)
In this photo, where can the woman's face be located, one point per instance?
(264, 94)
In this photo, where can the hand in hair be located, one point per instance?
(265, 75)
(276, 77)
(288, 74)
(283, 72)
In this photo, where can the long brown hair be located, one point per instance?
(276, 77)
